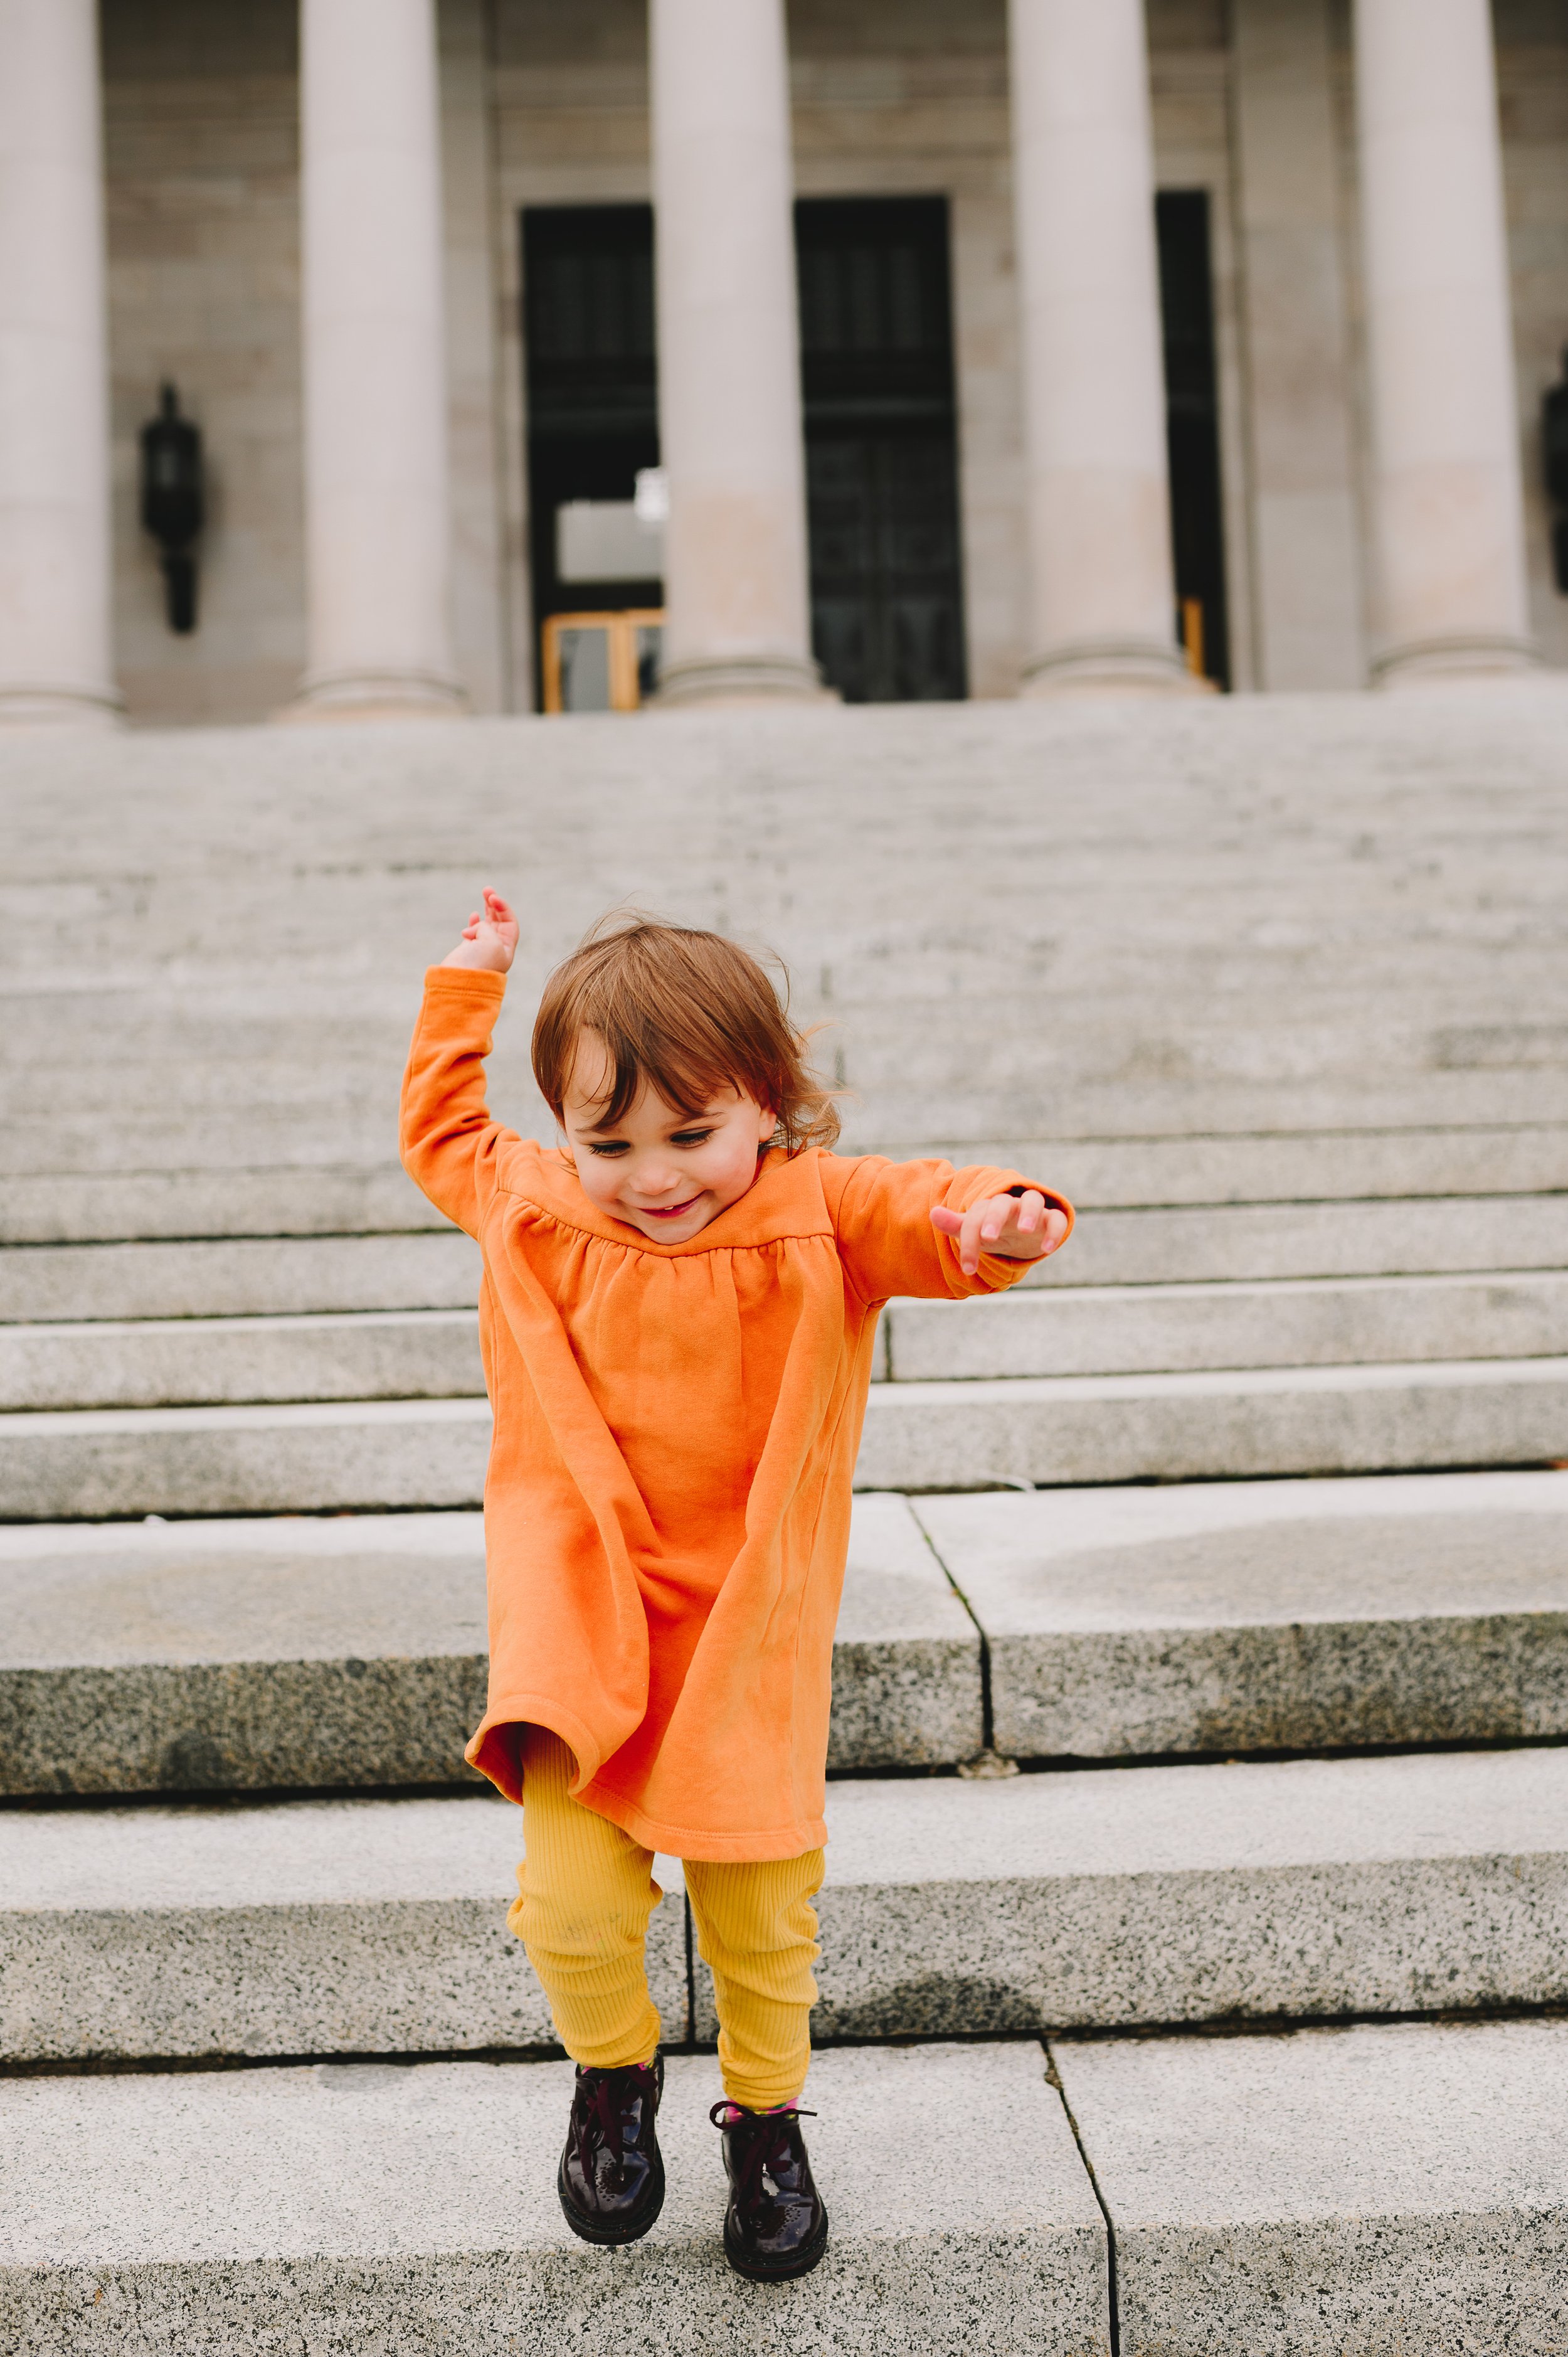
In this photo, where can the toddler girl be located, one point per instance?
(677, 1316)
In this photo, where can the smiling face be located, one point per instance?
(659, 1170)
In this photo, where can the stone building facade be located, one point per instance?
(1380, 259)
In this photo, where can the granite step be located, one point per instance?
(301, 1190)
(1106, 1898)
(91, 1464)
(300, 1651)
(1392, 2187)
(285, 1276)
(1050, 1430)
(1157, 1328)
(1251, 1242)
(1410, 1883)
(242, 1276)
(374, 1354)
(1240, 1617)
(271, 1653)
(950, 1101)
(404, 1354)
(387, 2208)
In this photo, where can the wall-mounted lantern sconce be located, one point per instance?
(172, 504)
(1554, 459)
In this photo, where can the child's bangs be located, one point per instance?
(643, 1055)
(685, 1013)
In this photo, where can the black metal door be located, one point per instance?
(881, 457)
(1192, 425)
(593, 398)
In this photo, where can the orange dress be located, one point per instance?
(667, 1497)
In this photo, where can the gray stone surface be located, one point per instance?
(283, 1275)
(172, 1361)
(1254, 1242)
(84, 1464)
(319, 1927)
(255, 1200)
(240, 1276)
(906, 1685)
(355, 2207)
(300, 1650)
(1354, 2192)
(90, 1463)
(1106, 1898)
(1243, 1173)
(1403, 972)
(1407, 1884)
(1241, 1616)
(271, 1651)
(1298, 1322)
(1071, 1428)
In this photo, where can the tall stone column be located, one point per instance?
(1448, 508)
(377, 529)
(729, 368)
(55, 658)
(1102, 609)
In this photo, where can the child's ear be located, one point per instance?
(766, 1123)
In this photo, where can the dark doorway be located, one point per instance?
(1192, 424)
(881, 460)
(593, 400)
(881, 453)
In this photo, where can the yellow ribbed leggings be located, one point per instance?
(586, 1893)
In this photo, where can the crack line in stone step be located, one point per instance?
(1112, 2296)
(986, 1745)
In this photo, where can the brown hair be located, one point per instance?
(684, 1013)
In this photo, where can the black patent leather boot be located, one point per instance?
(611, 2178)
(775, 2225)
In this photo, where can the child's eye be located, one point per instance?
(610, 1147)
(690, 1137)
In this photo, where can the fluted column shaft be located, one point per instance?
(735, 582)
(1102, 602)
(1448, 503)
(377, 528)
(55, 658)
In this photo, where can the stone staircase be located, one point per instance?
(1238, 2012)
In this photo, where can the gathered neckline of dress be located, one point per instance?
(775, 1207)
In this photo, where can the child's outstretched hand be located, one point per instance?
(1018, 1227)
(489, 937)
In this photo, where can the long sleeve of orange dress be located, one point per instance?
(675, 1428)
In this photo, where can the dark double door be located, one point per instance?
(876, 380)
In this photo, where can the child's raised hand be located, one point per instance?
(489, 937)
(1018, 1227)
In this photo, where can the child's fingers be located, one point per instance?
(946, 1223)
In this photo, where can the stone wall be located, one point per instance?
(201, 162)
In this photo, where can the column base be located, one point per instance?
(1113, 667)
(23, 706)
(361, 696)
(742, 678)
(1429, 663)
